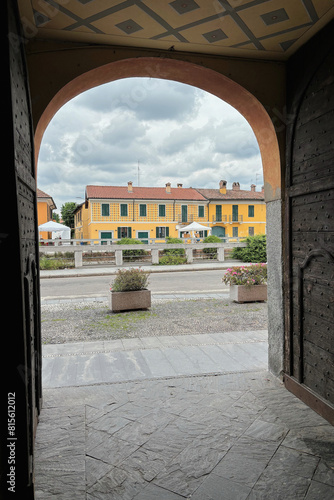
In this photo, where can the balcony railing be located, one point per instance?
(227, 218)
(219, 218)
(235, 218)
(185, 219)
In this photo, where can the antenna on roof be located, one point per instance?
(138, 172)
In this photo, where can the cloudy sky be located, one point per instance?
(148, 131)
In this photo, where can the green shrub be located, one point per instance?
(174, 251)
(172, 260)
(132, 253)
(255, 251)
(129, 280)
(211, 252)
(47, 263)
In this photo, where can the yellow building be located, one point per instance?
(45, 205)
(114, 212)
(236, 212)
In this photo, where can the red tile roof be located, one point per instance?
(142, 193)
(232, 194)
(41, 194)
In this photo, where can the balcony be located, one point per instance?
(185, 219)
(219, 218)
(232, 219)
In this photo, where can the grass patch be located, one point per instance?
(121, 321)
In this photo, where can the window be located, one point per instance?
(142, 210)
(124, 232)
(105, 235)
(162, 210)
(105, 209)
(161, 232)
(251, 231)
(124, 210)
(235, 232)
(235, 213)
(250, 210)
(218, 213)
(200, 211)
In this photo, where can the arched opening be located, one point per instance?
(252, 110)
(191, 74)
(258, 118)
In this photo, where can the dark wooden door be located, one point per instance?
(309, 364)
(20, 305)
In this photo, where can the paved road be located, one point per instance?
(188, 281)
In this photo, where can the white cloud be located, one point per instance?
(174, 132)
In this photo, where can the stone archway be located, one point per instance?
(256, 115)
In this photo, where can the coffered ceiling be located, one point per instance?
(270, 29)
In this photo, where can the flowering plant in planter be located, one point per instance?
(255, 274)
(128, 291)
(130, 280)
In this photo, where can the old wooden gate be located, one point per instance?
(20, 332)
(309, 364)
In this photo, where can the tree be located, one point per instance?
(67, 213)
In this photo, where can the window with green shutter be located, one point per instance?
(218, 213)
(250, 210)
(124, 210)
(200, 211)
(162, 210)
(161, 232)
(124, 232)
(142, 210)
(105, 209)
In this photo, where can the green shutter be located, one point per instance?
(157, 232)
(235, 213)
(105, 209)
(142, 210)
(130, 232)
(218, 212)
(184, 209)
(124, 210)
(119, 233)
(167, 231)
(162, 210)
(200, 211)
(250, 210)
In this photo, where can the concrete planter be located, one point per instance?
(242, 293)
(128, 301)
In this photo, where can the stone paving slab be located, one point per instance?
(152, 357)
(231, 436)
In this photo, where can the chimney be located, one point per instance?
(253, 187)
(130, 190)
(168, 189)
(222, 187)
(179, 185)
(236, 186)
